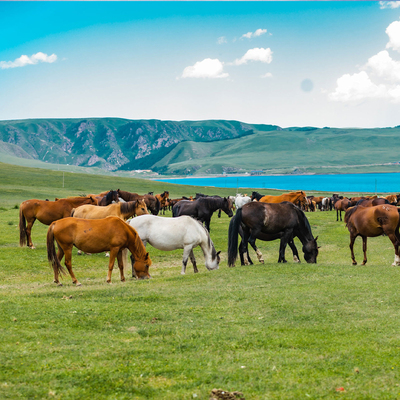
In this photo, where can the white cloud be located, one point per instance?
(208, 68)
(393, 31)
(357, 87)
(258, 32)
(384, 66)
(267, 75)
(256, 54)
(389, 4)
(25, 60)
(222, 40)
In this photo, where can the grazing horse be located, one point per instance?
(371, 222)
(152, 203)
(341, 205)
(95, 236)
(292, 197)
(120, 210)
(203, 208)
(177, 233)
(45, 212)
(270, 221)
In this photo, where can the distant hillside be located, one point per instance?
(197, 147)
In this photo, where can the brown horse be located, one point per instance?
(162, 198)
(372, 222)
(392, 199)
(341, 205)
(372, 202)
(298, 197)
(45, 212)
(152, 203)
(95, 236)
(120, 210)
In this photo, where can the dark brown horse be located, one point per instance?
(270, 221)
(111, 196)
(371, 222)
(203, 208)
(45, 212)
(95, 236)
(152, 203)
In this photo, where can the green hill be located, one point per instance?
(108, 145)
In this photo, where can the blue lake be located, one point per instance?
(356, 183)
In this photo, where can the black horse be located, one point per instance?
(270, 221)
(111, 196)
(256, 196)
(203, 208)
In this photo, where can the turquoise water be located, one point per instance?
(357, 183)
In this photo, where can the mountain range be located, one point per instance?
(197, 147)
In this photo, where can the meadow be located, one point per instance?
(271, 331)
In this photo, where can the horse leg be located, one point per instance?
(252, 241)
(294, 251)
(193, 260)
(352, 239)
(395, 239)
(113, 254)
(120, 256)
(29, 224)
(186, 253)
(364, 238)
(282, 247)
(207, 223)
(245, 248)
(68, 264)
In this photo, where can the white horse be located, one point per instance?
(177, 233)
(241, 200)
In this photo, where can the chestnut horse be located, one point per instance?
(162, 198)
(120, 210)
(95, 236)
(152, 203)
(371, 222)
(292, 197)
(341, 205)
(45, 212)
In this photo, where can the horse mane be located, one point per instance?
(211, 201)
(349, 212)
(109, 196)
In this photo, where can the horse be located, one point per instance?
(372, 202)
(120, 210)
(45, 212)
(326, 204)
(371, 222)
(177, 233)
(256, 196)
(152, 203)
(203, 208)
(292, 197)
(240, 200)
(341, 205)
(270, 221)
(162, 198)
(95, 236)
(107, 199)
(392, 199)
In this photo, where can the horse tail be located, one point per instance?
(51, 252)
(22, 228)
(233, 237)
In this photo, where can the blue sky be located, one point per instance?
(286, 63)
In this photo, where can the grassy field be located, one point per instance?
(272, 331)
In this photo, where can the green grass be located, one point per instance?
(271, 331)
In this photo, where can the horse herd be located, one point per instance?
(99, 223)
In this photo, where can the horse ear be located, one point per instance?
(218, 252)
(316, 238)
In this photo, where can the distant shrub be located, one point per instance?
(10, 223)
(16, 207)
(3, 209)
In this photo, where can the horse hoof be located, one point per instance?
(58, 283)
(354, 263)
(32, 247)
(77, 283)
(182, 273)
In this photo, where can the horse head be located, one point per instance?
(141, 207)
(227, 207)
(310, 250)
(140, 268)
